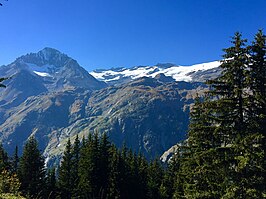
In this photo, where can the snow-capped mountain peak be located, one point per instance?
(47, 60)
(55, 69)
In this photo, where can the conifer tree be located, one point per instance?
(124, 172)
(142, 175)
(155, 176)
(51, 184)
(171, 177)
(4, 163)
(104, 163)
(75, 165)
(252, 158)
(88, 168)
(65, 170)
(115, 177)
(229, 110)
(15, 161)
(32, 171)
(230, 90)
(199, 164)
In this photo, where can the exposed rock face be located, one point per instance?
(145, 114)
(167, 155)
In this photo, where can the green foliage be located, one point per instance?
(51, 185)
(106, 172)
(155, 176)
(32, 171)
(15, 161)
(4, 163)
(65, 179)
(224, 155)
(10, 196)
(9, 183)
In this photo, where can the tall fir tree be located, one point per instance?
(88, 168)
(65, 173)
(172, 185)
(15, 161)
(75, 165)
(115, 177)
(253, 158)
(4, 163)
(104, 164)
(32, 171)
(154, 181)
(230, 108)
(52, 190)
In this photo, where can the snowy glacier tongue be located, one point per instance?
(179, 73)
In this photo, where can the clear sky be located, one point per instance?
(113, 33)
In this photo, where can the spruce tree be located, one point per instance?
(199, 163)
(51, 184)
(155, 176)
(88, 168)
(252, 160)
(75, 165)
(15, 161)
(32, 171)
(4, 163)
(65, 170)
(104, 163)
(124, 173)
(142, 175)
(230, 107)
(173, 180)
(115, 177)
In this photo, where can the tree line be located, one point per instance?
(222, 157)
(91, 168)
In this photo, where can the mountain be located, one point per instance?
(194, 73)
(57, 70)
(46, 71)
(35, 77)
(51, 97)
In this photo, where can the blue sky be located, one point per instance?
(114, 33)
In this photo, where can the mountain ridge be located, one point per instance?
(50, 96)
(193, 73)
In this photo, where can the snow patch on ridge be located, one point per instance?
(179, 73)
(43, 71)
(42, 74)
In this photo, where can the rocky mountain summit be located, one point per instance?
(51, 97)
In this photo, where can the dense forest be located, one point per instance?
(222, 157)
